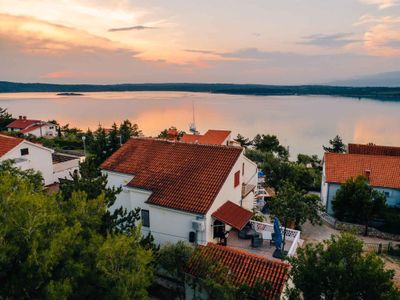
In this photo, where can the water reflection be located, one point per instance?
(304, 123)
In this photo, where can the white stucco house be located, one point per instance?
(381, 170)
(186, 191)
(28, 155)
(32, 127)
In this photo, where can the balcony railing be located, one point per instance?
(291, 234)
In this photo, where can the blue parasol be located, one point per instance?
(278, 234)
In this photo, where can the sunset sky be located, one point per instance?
(240, 41)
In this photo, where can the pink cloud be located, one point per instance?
(75, 74)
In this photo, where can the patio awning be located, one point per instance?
(233, 215)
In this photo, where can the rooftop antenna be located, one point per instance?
(192, 126)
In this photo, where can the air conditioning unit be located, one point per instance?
(198, 225)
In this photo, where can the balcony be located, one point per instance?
(266, 249)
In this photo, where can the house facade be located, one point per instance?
(179, 186)
(36, 128)
(27, 155)
(382, 172)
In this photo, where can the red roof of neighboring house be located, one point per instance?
(384, 171)
(372, 149)
(181, 176)
(7, 143)
(22, 123)
(211, 137)
(233, 215)
(242, 267)
(191, 138)
(31, 128)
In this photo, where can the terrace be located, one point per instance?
(266, 249)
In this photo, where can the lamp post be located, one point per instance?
(84, 145)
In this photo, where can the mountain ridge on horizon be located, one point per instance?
(385, 79)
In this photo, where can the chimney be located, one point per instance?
(368, 174)
(20, 117)
(24, 117)
(172, 133)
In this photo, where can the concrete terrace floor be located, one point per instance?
(266, 250)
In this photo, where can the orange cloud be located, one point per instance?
(76, 74)
(44, 37)
(382, 4)
(383, 40)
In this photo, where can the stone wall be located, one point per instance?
(358, 228)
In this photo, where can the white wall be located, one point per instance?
(44, 131)
(39, 159)
(166, 225)
(64, 169)
(231, 193)
(324, 186)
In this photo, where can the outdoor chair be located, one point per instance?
(256, 241)
(272, 240)
(246, 233)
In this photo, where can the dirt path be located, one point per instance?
(390, 263)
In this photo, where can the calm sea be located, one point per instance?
(304, 123)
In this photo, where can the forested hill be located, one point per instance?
(378, 93)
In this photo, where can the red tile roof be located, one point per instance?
(384, 170)
(31, 128)
(7, 143)
(211, 137)
(233, 215)
(242, 267)
(372, 149)
(191, 138)
(22, 123)
(181, 176)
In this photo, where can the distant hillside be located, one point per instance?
(390, 79)
(378, 93)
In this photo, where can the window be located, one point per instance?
(24, 151)
(388, 194)
(219, 229)
(243, 169)
(236, 179)
(145, 218)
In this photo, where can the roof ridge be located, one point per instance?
(373, 145)
(364, 155)
(186, 143)
(10, 137)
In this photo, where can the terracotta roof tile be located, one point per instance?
(22, 123)
(384, 170)
(211, 137)
(31, 128)
(372, 149)
(191, 138)
(244, 267)
(233, 215)
(181, 176)
(7, 143)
